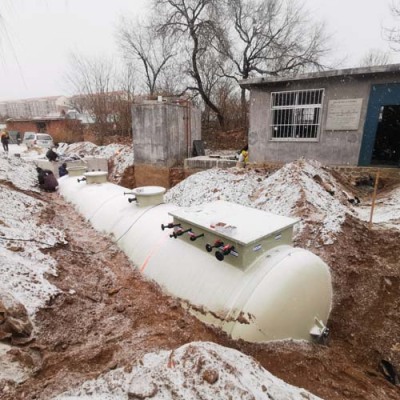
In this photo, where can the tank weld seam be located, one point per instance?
(130, 227)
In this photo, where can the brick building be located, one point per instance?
(56, 127)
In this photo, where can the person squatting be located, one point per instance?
(47, 181)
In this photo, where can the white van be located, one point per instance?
(32, 139)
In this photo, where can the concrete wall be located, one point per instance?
(332, 147)
(163, 133)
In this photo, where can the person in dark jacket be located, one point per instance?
(62, 170)
(51, 155)
(47, 180)
(40, 176)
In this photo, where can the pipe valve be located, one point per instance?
(130, 194)
(179, 232)
(224, 251)
(319, 332)
(194, 237)
(82, 179)
(169, 226)
(217, 243)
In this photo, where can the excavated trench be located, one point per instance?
(108, 315)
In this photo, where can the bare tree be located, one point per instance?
(238, 39)
(93, 82)
(392, 34)
(209, 67)
(145, 45)
(375, 57)
(123, 98)
(193, 21)
(270, 37)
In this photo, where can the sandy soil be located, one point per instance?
(108, 316)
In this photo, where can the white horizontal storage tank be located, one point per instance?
(252, 283)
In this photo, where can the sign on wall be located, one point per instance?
(343, 115)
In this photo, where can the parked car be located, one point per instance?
(32, 139)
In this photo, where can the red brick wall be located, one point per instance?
(21, 126)
(64, 130)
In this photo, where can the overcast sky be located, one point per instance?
(40, 34)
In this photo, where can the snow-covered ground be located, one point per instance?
(10, 369)
(300, 189)
(386, 211)
(121, 156)
(23, 265)
(198, 370)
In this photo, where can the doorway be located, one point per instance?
(41, 127)
(387, 141)
(381, 137)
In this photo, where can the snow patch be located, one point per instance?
(17, 171)
(386, 212)
(120, 155)
(299, 189)
(23, 266)
(196, 370)
(11, 370)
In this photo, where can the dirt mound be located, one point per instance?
(303, 189)
(193, 371)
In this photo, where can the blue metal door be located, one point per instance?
(380, 95)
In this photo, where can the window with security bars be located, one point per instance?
(296, 115)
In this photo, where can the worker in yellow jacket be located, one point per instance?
(244, 155)
(4, 140)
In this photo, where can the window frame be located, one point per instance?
(295, 107)
(44, 136)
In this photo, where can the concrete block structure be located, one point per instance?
(163, 132)
(163, 135)
(339, 117)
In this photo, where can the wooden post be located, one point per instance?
(373, 199)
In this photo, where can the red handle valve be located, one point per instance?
(179, 232)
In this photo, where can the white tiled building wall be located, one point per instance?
(31, 108)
